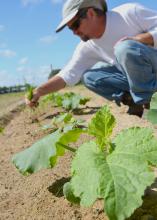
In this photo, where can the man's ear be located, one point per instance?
(91, 13)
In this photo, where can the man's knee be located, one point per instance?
(88, 78)
(127, 51)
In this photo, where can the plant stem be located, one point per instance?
(67, 147)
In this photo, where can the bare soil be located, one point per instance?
(39, 196)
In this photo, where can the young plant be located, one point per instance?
(115, 170)
(45, 152)
(64, 121)
(34, 112)
(29, 92)
(69, 100)
(151, 115)
(1, 130)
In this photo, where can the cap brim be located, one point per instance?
(65, 21)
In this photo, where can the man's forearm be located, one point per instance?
(145, 38)
(52, 85)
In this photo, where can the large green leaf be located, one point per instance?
(88, 168)
(130, 168)
(101, 126)
(70, 136)
(138, 140)
(152, 116)
(44, 153)
(119, 178)
(40, 155)
(153, 103)
(69, 195)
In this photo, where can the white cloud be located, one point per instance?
(3, 73)
(7, 53)
(8, 79)
(23, 61)
(20, 69)
(26, 3)
(49, 39)
(44, 70)
(2, 28)
(34, 76)
(23, 74)
(26, 74)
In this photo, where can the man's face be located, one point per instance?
(81, 26)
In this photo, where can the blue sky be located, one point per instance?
(28, 42)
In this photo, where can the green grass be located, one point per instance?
(8, 100)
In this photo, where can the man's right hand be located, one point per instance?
(52, 85)
(34, 101)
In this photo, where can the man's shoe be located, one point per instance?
(127, 99)
(147, 105)
(136, 110)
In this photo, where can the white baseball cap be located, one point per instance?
(71, 8)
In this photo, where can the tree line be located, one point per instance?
(21, 88)
(11, 89)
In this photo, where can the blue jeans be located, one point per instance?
(134, 72)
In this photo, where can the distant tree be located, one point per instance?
(53, 73)
(5, 89)
(1, 90)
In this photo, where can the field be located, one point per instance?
(8, 106)
(7, 101)
(39, 196)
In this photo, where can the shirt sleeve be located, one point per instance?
(82, 59)
(147, 20)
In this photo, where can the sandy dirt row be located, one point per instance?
(39, 196)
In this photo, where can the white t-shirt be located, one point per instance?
(126, 20)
